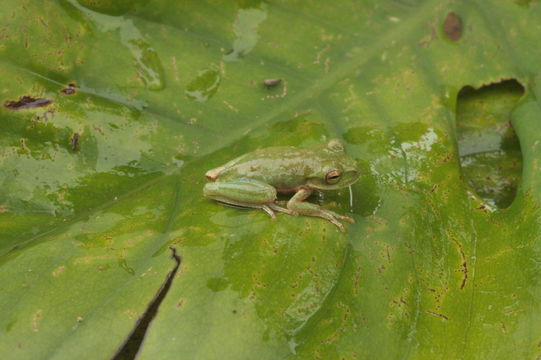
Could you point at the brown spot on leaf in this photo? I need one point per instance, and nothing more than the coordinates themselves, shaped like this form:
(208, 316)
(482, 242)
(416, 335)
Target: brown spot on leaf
(59, 270)
(69, 90)
(437, 314)
(269, 83)
(403, 301)
(180, 303)
(464, 265)
(75, 142)
(464, 270)
(452, 26)
(27, 102)
(36, 319)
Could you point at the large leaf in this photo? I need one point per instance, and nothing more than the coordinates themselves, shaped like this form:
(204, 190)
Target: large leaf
(99, 184)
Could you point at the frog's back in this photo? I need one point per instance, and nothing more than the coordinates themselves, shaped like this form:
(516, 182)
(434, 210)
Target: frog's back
(284, 167)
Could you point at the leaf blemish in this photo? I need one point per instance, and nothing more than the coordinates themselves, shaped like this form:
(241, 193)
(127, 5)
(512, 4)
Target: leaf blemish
(269, 83)
(59, 270)
(463, 265)
(27, 102)
(283, 92)
(437, 314)
(452, 27)
(69, 90)
(75, 142)
(36, 319)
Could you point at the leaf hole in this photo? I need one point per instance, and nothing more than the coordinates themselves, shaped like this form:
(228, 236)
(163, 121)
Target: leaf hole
(488, 147)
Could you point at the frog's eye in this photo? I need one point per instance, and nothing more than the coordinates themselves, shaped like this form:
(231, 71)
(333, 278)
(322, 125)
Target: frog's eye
(333, 176)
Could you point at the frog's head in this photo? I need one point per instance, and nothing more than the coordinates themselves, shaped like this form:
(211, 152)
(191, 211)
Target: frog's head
(338, 169)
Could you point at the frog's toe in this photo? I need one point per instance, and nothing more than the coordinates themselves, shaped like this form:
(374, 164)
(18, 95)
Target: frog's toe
(344, 218)
(341, 227)
(269, 211)
(348, 219)
(338, 224)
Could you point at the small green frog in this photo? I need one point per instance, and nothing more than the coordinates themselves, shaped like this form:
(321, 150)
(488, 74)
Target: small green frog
(254, 179)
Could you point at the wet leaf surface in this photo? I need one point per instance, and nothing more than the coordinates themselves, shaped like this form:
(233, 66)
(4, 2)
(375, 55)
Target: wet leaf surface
(165, 90)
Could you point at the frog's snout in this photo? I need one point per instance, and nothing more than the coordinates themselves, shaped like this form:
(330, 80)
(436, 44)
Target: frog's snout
(355, 172)
(213, 174)
(354, 175)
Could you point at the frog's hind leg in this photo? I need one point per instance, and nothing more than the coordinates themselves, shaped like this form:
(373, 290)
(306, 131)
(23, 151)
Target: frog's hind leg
(268, 208)
(265, 208)
(298, 204)
(244, 193)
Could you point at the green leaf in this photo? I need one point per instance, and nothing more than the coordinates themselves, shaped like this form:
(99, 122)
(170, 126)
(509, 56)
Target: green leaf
(99, 184)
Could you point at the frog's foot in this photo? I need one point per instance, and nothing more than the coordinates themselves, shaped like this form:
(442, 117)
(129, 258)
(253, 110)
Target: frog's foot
(275, 207)
(333, 218)
(297, 204)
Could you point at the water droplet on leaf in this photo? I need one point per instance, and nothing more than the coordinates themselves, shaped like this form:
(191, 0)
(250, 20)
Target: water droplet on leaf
(204, 86)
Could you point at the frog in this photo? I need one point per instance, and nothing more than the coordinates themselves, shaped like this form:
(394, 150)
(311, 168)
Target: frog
(255, 179)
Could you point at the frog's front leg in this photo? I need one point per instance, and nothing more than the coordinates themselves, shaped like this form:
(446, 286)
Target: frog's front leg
(297, 204)
(247, 193)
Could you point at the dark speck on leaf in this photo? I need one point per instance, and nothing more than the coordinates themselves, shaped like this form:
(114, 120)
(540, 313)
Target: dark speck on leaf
(452, 27)
(234, 311)
(269, 83)
(27, 102)
(75, 142)
(69, 90)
